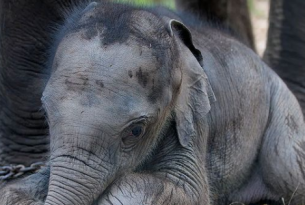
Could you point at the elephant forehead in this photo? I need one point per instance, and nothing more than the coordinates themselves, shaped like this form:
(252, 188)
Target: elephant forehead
(86, 61)
(81, 66)
(77, 53)
(117, 81)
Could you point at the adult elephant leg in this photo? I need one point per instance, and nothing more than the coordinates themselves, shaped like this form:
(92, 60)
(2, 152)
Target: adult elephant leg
(233, 14)
(25, 37)
(285, 51)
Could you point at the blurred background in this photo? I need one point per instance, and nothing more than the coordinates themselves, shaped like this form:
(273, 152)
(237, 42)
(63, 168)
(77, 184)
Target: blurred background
(259, 10)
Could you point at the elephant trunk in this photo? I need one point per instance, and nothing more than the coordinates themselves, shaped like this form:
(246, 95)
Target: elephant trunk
(71, 183)
(81, 169)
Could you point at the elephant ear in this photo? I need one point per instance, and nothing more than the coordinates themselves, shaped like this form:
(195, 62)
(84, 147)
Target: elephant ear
(196, 94)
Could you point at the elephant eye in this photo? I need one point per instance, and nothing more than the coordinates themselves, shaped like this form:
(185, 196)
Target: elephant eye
(133, 134)
(137, 131)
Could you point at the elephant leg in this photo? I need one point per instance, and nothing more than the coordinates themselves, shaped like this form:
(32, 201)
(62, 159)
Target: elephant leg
(30, 190)
(26, 34)
(138, 189)
(286, 42)
(173, 175)
(282, 157)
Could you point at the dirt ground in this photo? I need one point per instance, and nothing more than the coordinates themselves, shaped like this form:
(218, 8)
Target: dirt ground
(259, 16)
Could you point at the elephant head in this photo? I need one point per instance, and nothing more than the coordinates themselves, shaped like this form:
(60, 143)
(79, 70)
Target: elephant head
(118, 77)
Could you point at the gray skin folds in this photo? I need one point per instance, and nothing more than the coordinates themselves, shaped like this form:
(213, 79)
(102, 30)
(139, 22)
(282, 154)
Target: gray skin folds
(26, 34)
(147, 107)
(285, 47)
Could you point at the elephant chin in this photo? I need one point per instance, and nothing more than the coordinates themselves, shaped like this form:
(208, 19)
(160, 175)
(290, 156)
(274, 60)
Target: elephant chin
(74, 182)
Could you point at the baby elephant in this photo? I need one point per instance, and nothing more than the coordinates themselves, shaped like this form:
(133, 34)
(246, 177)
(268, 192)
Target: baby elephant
(147, 107)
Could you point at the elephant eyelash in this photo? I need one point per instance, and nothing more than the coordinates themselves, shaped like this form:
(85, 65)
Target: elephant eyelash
(142, 119)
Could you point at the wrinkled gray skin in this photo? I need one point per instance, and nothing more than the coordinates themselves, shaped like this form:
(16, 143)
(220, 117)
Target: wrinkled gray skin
(26, 32)
(285, 47)
(219, 126)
